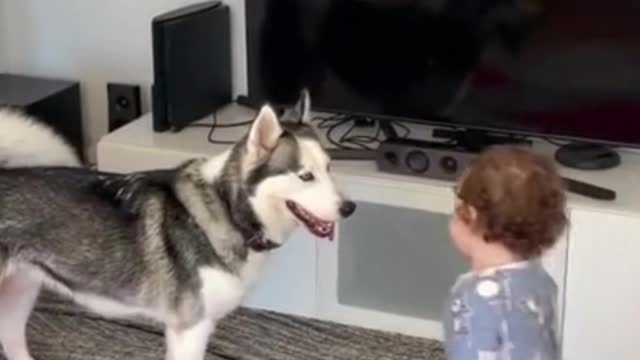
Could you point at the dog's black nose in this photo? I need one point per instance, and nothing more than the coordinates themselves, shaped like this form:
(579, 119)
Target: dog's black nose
(347, 208)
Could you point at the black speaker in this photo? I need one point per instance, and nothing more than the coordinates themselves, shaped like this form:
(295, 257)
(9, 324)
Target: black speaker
(423, 158)
(124, 104)
(191, 64)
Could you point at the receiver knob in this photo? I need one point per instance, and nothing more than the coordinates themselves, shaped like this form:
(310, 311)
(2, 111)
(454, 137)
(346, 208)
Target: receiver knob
(449, 164)
(391, 157)
(417, 161)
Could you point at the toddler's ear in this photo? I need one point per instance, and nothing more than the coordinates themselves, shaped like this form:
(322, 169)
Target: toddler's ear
(473, 214)
(466, 212)
(473, 220)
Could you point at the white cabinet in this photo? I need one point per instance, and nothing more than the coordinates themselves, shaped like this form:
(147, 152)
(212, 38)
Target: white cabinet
(602, 316)
(392, 264)
(288, 283)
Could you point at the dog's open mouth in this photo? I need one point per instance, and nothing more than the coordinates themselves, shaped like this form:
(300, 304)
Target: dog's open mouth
(318, 227)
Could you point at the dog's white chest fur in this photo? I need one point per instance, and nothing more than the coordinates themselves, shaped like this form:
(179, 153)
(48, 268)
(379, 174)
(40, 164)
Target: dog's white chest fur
(222, 291)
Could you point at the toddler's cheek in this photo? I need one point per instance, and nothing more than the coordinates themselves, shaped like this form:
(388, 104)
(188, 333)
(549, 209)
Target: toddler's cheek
(459, 232)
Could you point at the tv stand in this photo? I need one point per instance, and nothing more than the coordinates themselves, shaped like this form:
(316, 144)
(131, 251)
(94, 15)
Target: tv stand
(587, 156)
(477, 140)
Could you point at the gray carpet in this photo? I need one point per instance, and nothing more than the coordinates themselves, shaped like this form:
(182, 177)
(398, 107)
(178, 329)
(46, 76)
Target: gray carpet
(59, 330)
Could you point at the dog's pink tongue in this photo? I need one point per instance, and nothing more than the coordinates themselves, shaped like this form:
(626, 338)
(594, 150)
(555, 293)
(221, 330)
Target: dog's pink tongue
(325, 230)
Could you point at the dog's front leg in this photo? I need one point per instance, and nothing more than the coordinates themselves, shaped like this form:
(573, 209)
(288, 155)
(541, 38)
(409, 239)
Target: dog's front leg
(190, 343)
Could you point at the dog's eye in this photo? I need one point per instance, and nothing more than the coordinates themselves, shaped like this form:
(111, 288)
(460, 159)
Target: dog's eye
(306, 176)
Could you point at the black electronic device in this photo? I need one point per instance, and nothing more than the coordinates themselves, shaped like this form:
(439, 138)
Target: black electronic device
(124, 104)
(191, 64)
(589, 190)
(442, 162)
(351, 154)
(587, 156)
(244, 100)
(506, 67)
(424, 159)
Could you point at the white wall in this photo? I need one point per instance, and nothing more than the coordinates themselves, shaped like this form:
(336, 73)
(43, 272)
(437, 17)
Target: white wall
(96, 42)
(3, 50)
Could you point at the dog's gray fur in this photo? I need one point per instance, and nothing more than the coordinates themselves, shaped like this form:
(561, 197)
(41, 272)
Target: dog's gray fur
(137, 244)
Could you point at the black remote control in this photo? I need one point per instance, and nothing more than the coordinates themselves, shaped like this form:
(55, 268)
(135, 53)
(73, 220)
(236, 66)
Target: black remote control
(589, 190)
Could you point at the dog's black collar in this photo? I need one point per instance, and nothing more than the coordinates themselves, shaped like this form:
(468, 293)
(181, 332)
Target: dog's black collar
(260, 243)
(248, 224)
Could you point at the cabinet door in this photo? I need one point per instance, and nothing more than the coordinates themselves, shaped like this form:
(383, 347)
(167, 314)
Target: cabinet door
(602, 315)
(392, 265)
(288, 281)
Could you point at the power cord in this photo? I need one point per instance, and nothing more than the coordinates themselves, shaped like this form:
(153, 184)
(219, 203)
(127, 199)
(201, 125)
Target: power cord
(350, 140)
(550, 141)
(214, 125)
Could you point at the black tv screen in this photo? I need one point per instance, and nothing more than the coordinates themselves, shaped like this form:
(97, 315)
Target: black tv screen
(561, 68)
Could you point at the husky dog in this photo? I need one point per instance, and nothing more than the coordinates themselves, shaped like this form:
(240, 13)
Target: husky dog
(24, 141)
(180, 246)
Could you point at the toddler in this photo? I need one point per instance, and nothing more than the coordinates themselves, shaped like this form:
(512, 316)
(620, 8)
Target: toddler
(510, 209)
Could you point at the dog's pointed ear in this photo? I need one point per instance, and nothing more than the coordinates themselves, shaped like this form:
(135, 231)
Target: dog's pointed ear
(264, 134)
(300, 113)
(303, 107)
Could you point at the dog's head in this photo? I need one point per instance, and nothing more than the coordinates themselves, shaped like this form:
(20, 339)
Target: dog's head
(287, 174)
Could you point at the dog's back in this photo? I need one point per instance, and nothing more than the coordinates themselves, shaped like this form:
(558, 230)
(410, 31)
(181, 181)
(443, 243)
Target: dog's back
(63, 200)
(48, 220)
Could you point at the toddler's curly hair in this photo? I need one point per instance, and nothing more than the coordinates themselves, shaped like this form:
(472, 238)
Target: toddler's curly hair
(519, 198)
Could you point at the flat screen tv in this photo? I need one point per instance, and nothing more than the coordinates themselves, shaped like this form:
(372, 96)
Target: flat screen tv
(567, 69)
